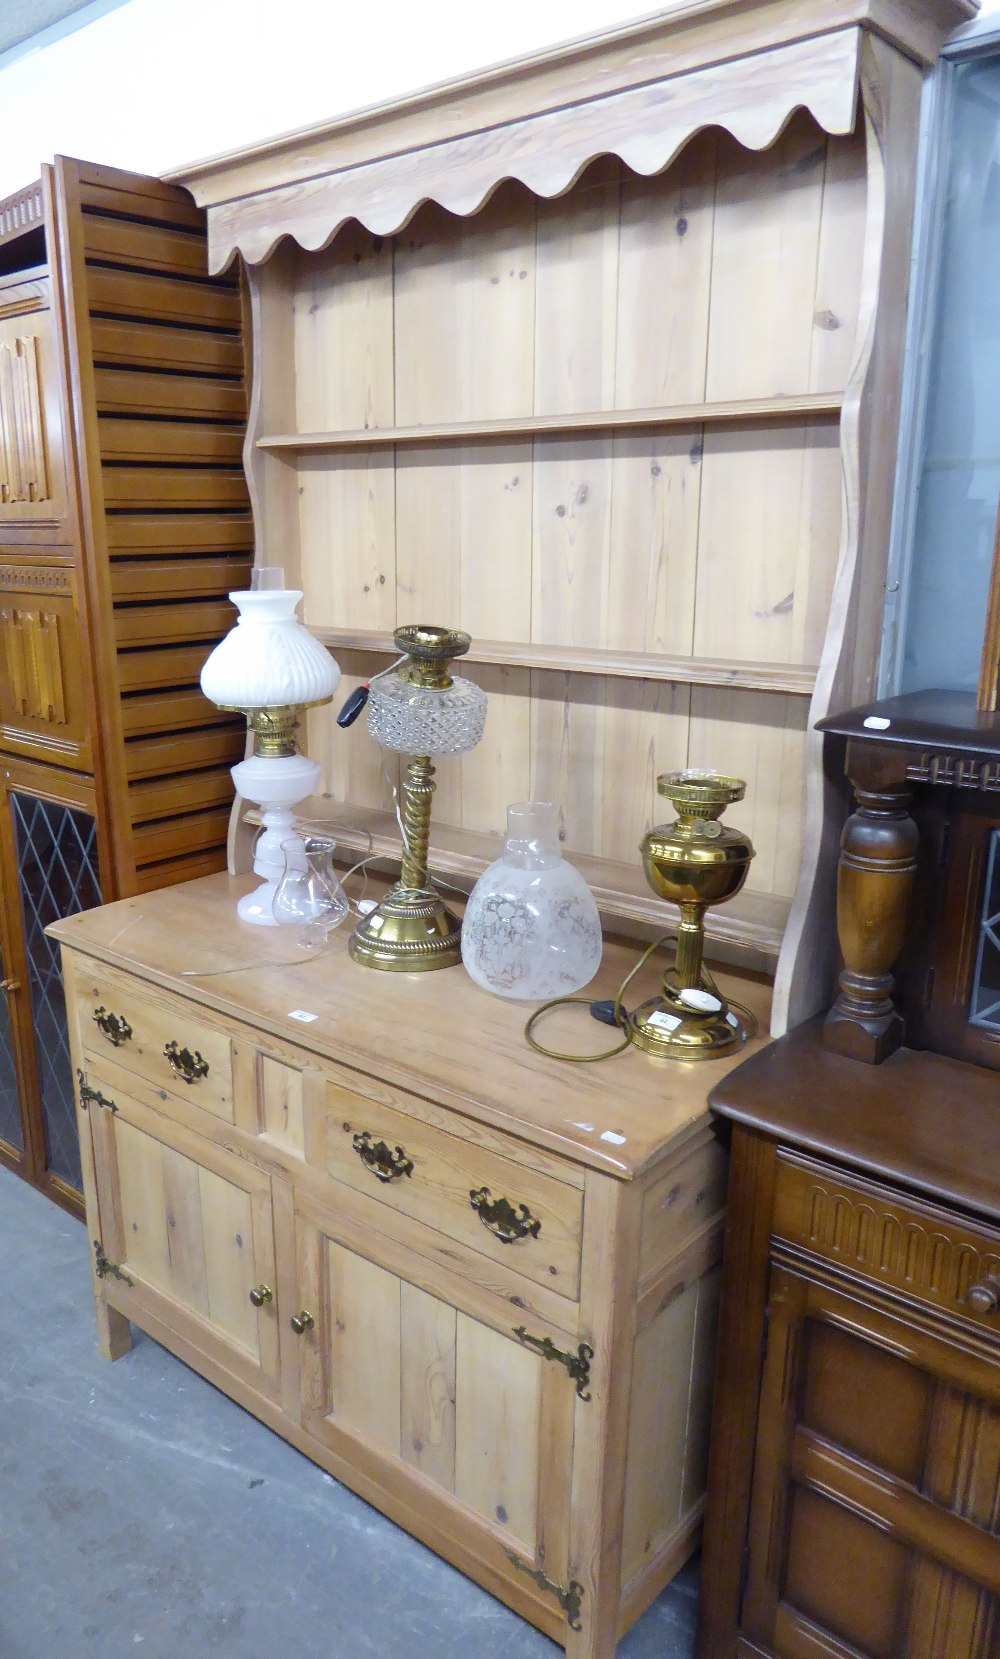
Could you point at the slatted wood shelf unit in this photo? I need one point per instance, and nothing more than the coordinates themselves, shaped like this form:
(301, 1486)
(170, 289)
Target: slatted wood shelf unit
(161, 420)
(599, 359)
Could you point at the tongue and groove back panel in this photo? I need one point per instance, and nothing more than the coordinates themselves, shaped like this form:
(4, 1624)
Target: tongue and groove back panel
(159, 411)
(598, 357)
(696, 553)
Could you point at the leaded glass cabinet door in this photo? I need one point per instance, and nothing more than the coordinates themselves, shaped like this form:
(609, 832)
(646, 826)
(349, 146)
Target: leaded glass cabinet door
(56, 869)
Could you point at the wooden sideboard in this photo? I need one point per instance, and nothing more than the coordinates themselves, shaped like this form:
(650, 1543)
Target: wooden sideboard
(476, 1285)
(854, 1491)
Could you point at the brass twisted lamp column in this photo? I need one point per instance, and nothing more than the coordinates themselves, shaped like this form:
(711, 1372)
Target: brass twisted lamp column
(422, 711)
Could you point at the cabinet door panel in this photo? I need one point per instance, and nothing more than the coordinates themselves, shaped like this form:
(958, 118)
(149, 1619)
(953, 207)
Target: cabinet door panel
(190, 1226)
(875, 1516)
(400, 1381)
(497, 1399)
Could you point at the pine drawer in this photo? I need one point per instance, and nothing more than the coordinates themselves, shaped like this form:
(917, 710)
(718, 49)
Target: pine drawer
(499, 1207)
(163, 1042)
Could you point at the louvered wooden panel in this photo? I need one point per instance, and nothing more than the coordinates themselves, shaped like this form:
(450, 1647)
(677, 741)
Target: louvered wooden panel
(150, 757)
(165, 445)
(171, 441)
(188, 397)
(176, 836)
(163, 666)
(170, 534)
(146, 346)
(106, 190)
(169, 710)
(144, 247)
(183, 488)
(147, 579)
(161, 299)
(148, 877)
(173, 624)
(167, 797)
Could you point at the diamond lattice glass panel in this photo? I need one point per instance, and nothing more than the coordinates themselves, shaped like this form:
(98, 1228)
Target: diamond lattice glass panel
(10, 1113)
(984, 1008)
(57, 875)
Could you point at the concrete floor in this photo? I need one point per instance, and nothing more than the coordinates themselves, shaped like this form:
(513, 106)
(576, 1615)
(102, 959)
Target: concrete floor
(142, 1513)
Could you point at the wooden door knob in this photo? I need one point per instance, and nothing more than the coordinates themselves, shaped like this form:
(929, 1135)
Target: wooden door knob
(985, 1297)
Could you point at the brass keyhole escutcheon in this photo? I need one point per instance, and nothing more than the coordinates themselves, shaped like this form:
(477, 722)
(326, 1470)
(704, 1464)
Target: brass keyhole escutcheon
(302, 1322)
(261, 1294)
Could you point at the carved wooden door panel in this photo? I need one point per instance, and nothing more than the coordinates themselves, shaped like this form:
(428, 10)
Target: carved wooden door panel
(875, 1520)
(32, 469)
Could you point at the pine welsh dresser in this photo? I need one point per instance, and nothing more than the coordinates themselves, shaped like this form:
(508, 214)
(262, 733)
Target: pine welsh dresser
(476, 1285)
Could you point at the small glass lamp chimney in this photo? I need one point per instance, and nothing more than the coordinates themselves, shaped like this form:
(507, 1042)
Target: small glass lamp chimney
(269, 666)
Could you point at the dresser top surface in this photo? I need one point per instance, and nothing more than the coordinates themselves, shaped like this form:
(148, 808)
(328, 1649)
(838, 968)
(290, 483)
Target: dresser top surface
(437, 1033)
(924, 1119)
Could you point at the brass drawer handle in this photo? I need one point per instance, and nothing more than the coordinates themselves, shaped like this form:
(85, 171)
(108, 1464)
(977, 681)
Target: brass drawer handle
(500, 1218)
(985, 1297)
(385, 1164)
(185, 1065)
(261, 1294)
(113, 1026)
(302, 1322)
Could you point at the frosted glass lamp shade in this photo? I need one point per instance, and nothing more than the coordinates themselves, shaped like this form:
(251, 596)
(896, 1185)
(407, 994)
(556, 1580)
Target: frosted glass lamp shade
(270, 659)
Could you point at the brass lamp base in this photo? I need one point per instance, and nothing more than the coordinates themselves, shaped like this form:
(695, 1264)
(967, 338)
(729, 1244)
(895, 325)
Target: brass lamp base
(685, 1025)
(411, 931)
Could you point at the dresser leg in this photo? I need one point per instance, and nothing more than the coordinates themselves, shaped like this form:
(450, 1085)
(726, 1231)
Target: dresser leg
(114, 1333)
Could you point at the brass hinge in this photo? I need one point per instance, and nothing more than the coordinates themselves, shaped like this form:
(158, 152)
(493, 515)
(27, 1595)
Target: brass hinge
(578, 1364)
(568, 1597)
(92, 1097)
(107, 1269)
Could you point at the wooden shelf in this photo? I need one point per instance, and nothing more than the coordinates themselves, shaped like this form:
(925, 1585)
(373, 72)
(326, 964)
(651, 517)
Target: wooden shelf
(752, 922)
(791, 679)
(824, 405)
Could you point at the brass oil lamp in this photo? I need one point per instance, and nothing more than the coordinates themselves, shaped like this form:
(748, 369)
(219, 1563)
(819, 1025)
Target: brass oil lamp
(695, 862)
(421, 710)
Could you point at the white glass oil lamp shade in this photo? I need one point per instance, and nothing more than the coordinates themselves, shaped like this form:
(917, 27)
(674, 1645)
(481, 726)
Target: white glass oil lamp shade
(270, 666)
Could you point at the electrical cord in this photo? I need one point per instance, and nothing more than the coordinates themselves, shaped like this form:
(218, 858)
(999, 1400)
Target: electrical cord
(619, 1015)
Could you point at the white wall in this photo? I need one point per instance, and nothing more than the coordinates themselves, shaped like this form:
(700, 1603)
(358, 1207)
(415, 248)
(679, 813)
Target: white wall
(154, 84)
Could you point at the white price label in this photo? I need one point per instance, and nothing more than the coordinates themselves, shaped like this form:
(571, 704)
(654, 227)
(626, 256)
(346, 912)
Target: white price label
(300, 1014)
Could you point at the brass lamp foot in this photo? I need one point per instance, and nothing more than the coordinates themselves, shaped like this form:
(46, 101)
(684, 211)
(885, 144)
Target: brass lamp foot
(411, 931)
(685, 1025)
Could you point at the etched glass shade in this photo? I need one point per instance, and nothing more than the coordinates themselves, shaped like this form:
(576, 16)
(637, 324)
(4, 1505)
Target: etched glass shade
(531, 928)
(270, 659)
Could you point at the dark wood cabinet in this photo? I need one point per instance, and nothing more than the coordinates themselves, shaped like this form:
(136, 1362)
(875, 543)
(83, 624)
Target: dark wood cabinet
(124, 523)
(854, 1489)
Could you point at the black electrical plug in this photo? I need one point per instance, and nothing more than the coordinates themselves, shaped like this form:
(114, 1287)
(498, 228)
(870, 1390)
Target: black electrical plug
(352, 708)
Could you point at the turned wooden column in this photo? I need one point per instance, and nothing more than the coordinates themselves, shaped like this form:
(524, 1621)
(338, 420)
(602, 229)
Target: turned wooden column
(878, 863)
